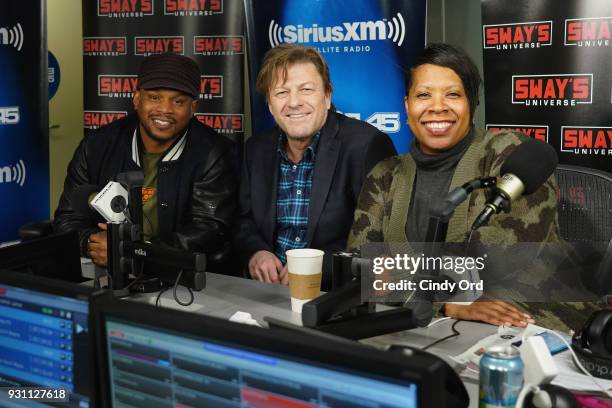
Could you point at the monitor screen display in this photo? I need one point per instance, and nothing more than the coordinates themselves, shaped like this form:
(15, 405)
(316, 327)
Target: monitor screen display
(152, 367)
(44, 343)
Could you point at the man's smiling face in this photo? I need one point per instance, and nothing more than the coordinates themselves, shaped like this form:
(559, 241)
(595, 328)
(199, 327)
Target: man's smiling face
(299, 102)
(164, 115)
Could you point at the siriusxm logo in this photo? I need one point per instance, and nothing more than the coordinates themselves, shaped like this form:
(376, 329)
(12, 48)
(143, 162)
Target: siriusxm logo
(13, 174)
(379, 30)
(12, 36)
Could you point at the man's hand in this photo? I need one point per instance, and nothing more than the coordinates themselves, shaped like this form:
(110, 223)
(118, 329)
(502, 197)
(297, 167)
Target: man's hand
(489, 311)
(96, 247)
(264, 266)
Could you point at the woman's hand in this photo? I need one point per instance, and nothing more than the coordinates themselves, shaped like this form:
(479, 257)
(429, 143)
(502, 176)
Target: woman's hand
(489, 311)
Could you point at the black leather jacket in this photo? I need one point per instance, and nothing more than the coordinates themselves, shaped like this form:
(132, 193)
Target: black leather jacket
(196, 187)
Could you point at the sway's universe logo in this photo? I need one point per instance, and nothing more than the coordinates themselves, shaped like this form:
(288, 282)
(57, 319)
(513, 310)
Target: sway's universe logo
(157, 45)
(223, 123)
(12, 36)
(588, 32)
(15, 173)
(552, 90)
(533, 34)
(330, 36)
(211, 86)
(539, 132)
(104, 46)
(9, 115)
(117, 86)
(125, 8)
(587, 140)
(193, 7)
(96, 119)
(218, 45)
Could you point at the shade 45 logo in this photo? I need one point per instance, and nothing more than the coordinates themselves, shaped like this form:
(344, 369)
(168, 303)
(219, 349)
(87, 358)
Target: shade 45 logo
(9, 115)
(104, 46)
(587, 140)
(539, 132)
(588, 32)
(158, 45)
(211, 86)
(226, 123)
(218, 45)
(193, 7)
(125, 8)
(534, 34)
(117, 86)
(552, 90)
(96, 119)
(388, 122)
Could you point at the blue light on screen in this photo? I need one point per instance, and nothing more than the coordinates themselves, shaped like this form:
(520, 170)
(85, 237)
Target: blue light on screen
(233, 374)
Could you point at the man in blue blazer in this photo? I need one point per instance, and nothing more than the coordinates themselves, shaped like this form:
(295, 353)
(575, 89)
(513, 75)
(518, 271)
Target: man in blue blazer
(301, 180)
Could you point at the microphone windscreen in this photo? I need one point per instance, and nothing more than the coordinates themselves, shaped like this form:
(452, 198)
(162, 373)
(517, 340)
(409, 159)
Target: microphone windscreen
(533, 161)
(80, 199)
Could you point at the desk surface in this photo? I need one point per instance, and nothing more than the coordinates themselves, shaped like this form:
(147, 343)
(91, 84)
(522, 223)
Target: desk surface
(225, 295)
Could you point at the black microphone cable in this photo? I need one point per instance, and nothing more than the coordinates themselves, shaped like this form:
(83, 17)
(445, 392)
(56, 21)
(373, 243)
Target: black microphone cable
(450, 336)
(176, 284)
(161, 292)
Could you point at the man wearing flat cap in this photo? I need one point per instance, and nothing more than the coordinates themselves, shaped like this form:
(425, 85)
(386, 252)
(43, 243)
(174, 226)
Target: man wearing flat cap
(189, 187)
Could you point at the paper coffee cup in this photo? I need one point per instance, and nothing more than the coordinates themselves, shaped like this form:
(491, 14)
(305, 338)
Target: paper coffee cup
(305, 268)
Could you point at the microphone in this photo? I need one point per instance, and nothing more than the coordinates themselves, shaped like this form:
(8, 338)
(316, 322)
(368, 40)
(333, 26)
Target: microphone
(442, 211)
(524, 171)
(110, 202)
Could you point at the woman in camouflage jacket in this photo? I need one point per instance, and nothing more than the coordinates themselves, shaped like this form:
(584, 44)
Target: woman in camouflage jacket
(442, 95)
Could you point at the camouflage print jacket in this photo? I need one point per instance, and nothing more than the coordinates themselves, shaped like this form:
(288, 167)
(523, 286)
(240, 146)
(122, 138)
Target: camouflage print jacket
(382, 210)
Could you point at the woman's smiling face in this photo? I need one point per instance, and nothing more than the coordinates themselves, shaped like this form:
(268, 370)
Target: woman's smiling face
(438, 108)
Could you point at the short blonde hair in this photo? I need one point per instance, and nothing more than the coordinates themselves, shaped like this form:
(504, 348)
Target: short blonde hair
(279, 58)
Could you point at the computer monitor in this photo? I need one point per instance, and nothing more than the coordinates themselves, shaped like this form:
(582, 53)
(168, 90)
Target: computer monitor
(46, 339)
(155, 357)
(56, 256)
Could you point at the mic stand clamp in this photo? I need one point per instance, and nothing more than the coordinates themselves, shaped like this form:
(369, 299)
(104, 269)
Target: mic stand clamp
(499, 202)
(193, 265)
(127, 253)
(342, 313)
(119, 267)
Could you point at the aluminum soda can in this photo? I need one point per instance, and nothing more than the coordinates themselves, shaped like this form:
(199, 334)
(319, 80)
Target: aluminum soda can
(501, 377)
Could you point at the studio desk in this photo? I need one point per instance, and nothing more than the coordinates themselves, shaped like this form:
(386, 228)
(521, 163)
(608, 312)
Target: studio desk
(225, 295)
